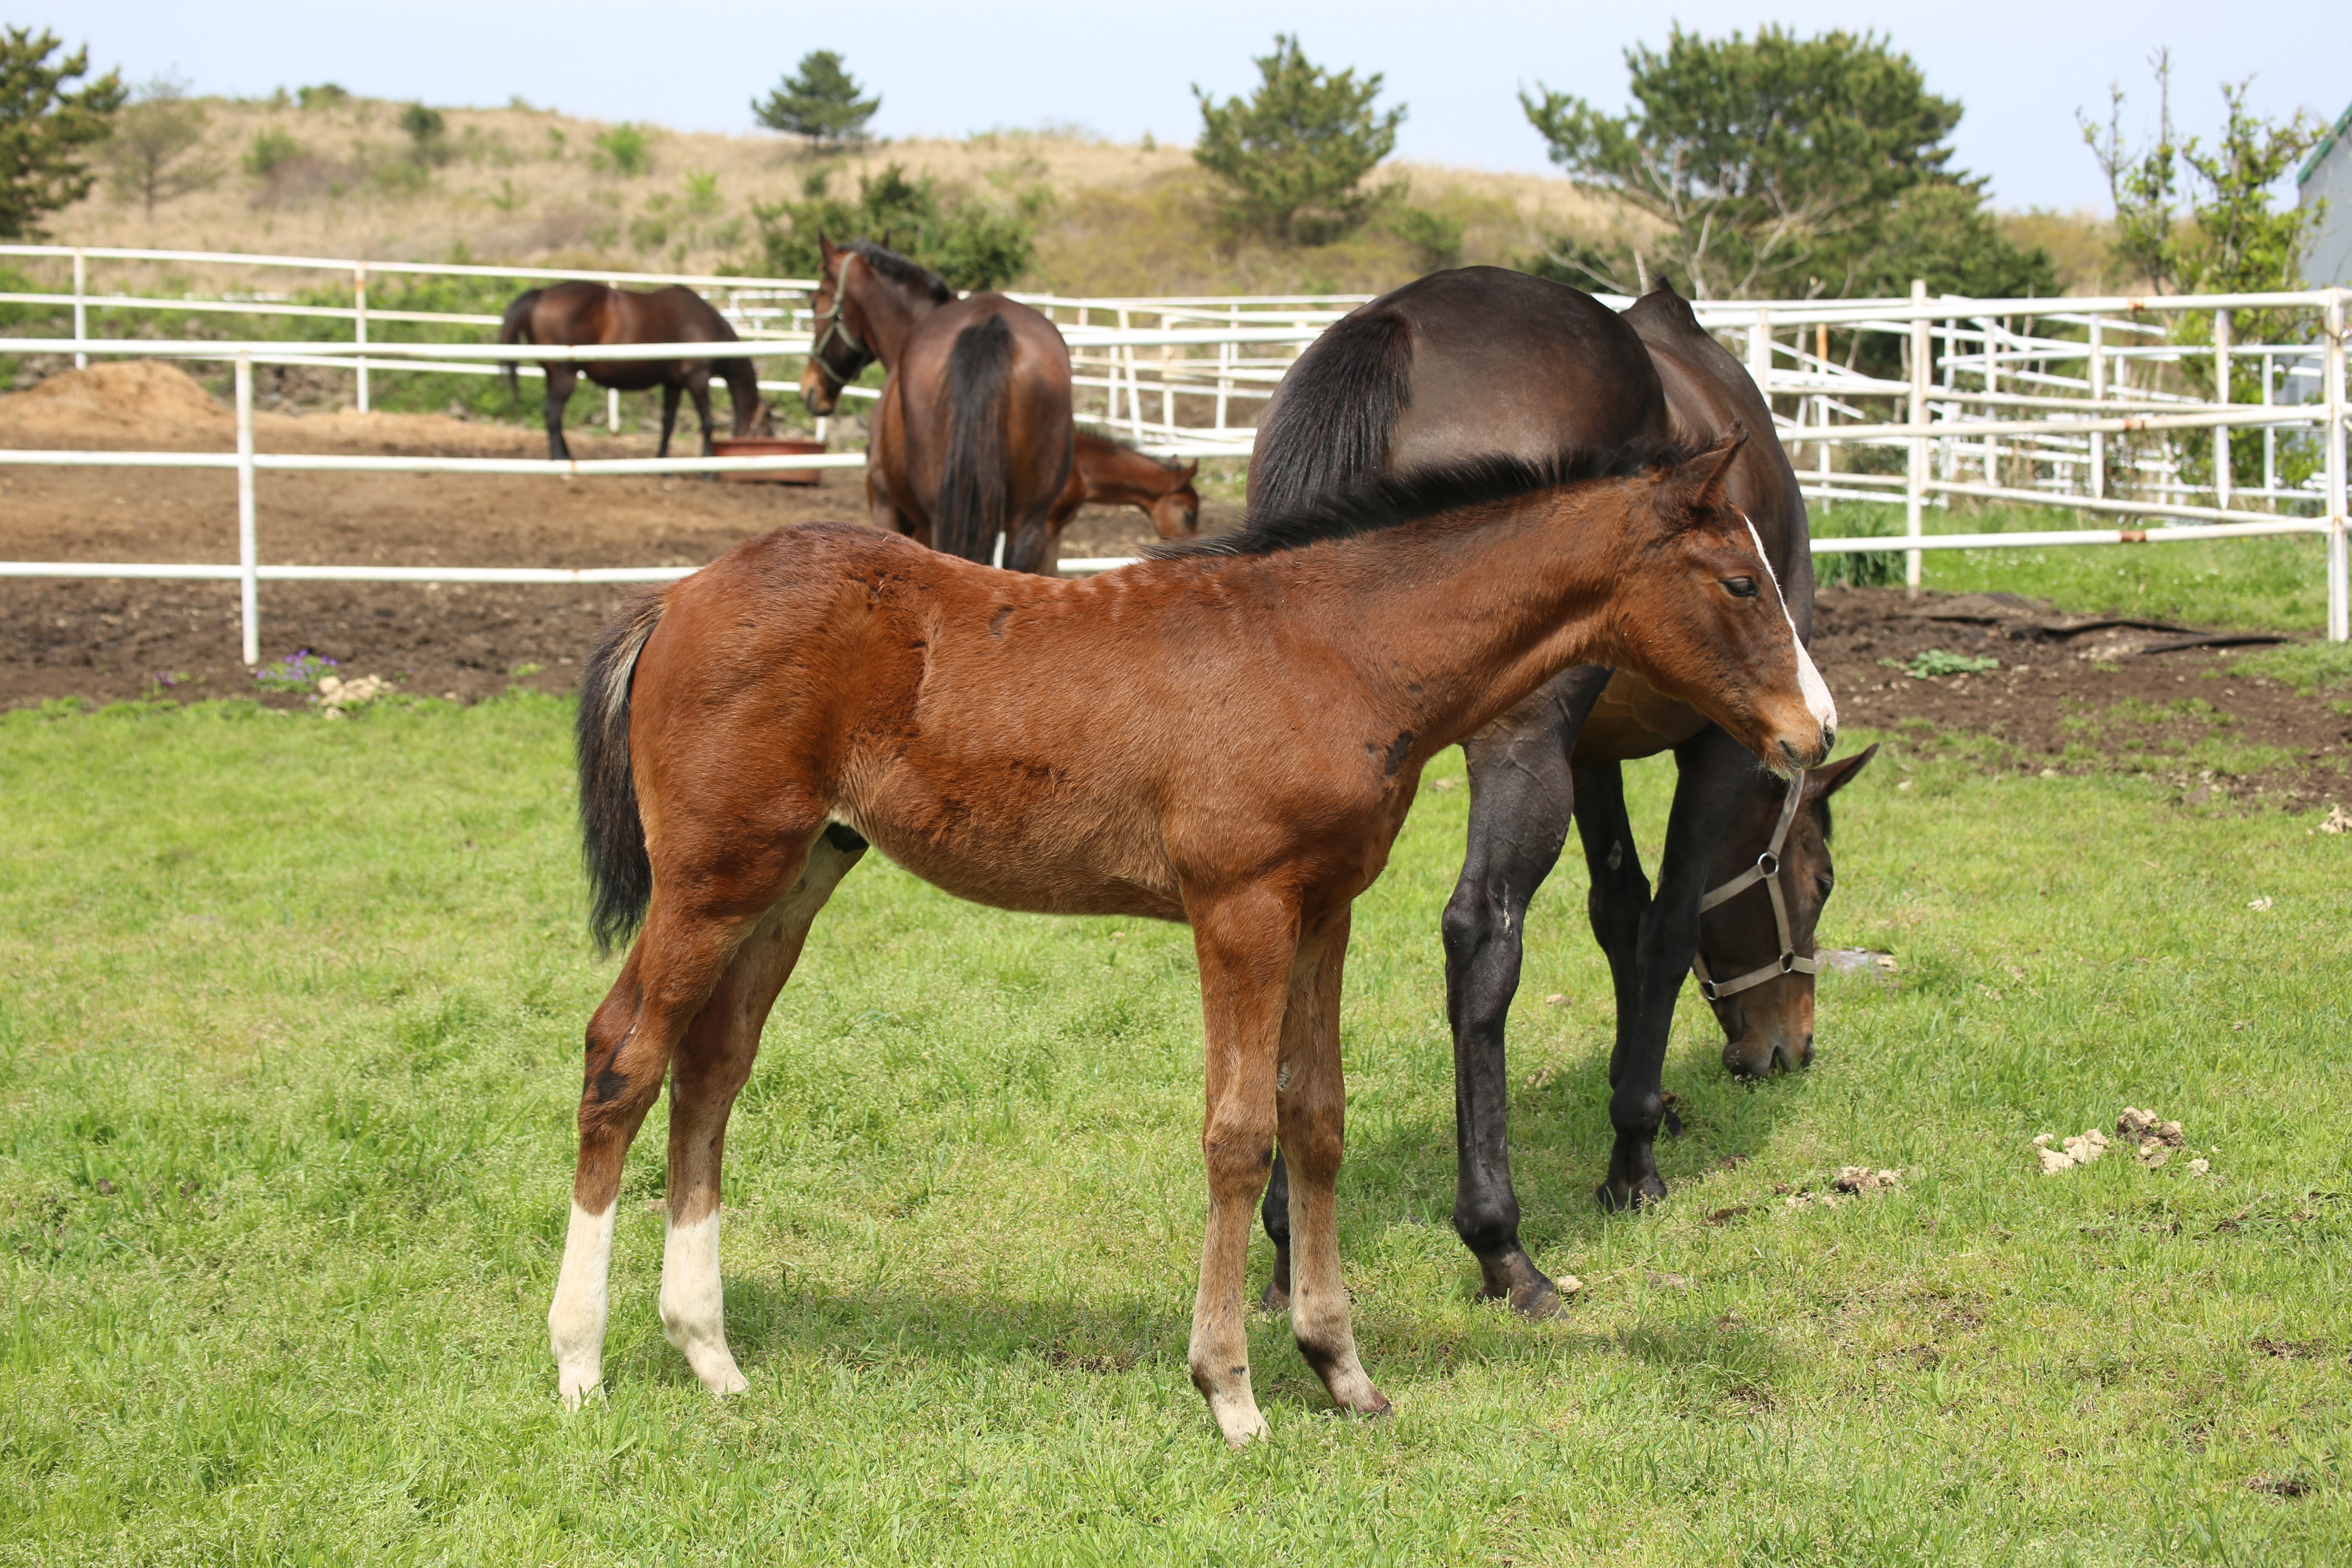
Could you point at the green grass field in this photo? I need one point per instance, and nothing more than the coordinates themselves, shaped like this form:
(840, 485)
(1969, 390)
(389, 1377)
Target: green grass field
(289, 1016)
(2276, 584)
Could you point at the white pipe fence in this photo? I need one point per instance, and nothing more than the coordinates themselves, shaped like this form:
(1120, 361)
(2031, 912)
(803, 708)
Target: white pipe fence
(2096, 412)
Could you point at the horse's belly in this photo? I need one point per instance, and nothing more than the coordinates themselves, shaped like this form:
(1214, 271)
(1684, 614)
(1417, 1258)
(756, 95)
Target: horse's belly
(1042, 862)
(1634, 719)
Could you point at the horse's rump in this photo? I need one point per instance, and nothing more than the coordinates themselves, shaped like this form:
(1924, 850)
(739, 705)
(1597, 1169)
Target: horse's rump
(1330, 418)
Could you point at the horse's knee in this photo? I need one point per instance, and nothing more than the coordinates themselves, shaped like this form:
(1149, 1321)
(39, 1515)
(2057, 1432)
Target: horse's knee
(1238, 1150)
(1470, 921)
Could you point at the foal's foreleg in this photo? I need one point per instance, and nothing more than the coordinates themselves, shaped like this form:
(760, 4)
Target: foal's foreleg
(1311, 1099)
(1246, 945)
(713, 1063)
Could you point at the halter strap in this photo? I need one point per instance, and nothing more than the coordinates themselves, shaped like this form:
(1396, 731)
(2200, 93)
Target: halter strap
(1766, 870)
(835, 320)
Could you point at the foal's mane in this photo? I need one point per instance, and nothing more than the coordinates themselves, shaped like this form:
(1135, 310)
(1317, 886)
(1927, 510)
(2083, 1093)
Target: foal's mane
(1380, 501)
(899, 269)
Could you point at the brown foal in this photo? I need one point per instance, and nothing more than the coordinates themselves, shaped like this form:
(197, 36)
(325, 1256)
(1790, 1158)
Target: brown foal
(1245, 740)
(1111, 473)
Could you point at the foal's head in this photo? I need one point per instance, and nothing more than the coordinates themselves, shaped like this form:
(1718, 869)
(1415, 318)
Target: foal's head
(1699, 601)
(1770, 1023)
(1176, 513)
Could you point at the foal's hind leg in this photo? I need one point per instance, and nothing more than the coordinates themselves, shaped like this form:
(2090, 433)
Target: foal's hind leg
(561, 380)
(1311, 1098)
(713, 1062)
(678, 960)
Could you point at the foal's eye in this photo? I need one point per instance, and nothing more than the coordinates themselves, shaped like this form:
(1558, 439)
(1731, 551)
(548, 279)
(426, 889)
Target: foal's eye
(1740, 587)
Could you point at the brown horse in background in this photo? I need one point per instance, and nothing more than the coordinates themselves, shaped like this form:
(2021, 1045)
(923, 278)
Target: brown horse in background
(1111, 473)
(971, 442)
(575, 314)
(1230, 735)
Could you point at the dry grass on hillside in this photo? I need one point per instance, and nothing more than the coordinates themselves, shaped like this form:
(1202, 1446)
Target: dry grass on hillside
(534, 187)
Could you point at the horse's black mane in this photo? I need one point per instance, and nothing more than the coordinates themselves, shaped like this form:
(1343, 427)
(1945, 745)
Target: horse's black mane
(1380, 501)
(899, 269)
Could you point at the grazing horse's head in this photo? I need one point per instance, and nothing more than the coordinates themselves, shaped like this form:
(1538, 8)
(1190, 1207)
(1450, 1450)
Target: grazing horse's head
(1176, 511)
(840, 346)
(1699, 609)
(1769, 1021)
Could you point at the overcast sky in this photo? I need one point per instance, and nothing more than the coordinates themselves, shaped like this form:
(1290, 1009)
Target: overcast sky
(2021, 70)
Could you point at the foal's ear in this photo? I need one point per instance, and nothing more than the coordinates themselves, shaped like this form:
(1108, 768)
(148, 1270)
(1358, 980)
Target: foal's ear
(1189, 469)
(1715, 467)
(825, 247)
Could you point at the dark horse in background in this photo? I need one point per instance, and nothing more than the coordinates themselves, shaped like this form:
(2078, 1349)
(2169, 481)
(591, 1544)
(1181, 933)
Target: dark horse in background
(576, 315)
(970, 444)
(1483, 361)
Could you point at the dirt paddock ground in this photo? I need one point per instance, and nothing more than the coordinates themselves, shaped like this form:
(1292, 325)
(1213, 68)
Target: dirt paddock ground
(2071, 691)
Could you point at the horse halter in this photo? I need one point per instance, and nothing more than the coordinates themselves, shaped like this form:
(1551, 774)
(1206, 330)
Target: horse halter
(1766, 870)
(837, 325)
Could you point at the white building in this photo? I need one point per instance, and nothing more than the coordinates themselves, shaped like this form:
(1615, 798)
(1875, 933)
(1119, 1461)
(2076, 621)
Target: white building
(2327, 176)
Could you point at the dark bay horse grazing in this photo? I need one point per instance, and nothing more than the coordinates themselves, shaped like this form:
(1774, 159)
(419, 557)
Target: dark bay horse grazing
(969, 446)
(1111, 473)
(1480, 361)
(576, 315)
(1241, 743)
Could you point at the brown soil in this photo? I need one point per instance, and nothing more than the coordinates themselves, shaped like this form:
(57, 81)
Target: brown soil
(2073, 692)
(2070, 692)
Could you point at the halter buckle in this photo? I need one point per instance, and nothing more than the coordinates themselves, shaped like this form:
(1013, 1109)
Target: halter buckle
(1769, 863)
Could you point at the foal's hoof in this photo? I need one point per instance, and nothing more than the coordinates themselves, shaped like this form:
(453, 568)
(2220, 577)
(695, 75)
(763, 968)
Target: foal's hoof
(1514, 1277)
(1617, 1197)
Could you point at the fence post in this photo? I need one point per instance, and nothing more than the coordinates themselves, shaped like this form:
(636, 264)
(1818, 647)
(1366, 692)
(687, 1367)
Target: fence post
(1915, 490)
(2098, 394)
(81, 309)
(248, 595)
(1759, 355)
(2221, 394)
(359, 328)
(2339, 574)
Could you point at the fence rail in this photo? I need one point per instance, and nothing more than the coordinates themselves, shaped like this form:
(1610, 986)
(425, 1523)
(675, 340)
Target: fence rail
(2117, 406)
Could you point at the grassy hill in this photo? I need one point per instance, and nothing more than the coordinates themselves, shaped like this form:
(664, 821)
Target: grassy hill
(534, 187)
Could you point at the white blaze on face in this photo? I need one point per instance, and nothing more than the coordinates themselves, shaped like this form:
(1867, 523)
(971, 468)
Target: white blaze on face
(1818, 700)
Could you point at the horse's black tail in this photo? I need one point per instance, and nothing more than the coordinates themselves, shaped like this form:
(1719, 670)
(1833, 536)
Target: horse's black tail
(1330, 421)
(612, 832)
(516, 328)
(972, 482)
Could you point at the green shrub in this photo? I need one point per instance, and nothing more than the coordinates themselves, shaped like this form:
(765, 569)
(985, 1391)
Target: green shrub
(625, 148)
(271, 151)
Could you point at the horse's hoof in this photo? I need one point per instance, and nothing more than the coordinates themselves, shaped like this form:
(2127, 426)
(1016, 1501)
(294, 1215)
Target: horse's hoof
(1617, 1198)
(1515, 1278)
(1276, 1298)
(1672, 1126)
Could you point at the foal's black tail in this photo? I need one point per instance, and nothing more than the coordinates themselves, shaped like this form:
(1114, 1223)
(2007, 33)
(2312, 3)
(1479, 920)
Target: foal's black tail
(972, 484)
(516, 328)
(1329, 425)
(612, 832)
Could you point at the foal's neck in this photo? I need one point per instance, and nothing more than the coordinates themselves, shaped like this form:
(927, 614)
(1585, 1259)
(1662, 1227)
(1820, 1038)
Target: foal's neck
(1460, 621)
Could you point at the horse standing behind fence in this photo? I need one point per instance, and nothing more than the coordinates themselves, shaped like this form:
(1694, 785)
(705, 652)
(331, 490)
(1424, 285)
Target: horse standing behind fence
(971, 441)
(1482, 359)
(1229, 736)
(576, 315)
(1111, 473)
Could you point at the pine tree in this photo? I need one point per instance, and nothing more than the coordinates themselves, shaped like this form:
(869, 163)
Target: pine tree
(42, 127)
(1292, 155)
(819, 101)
